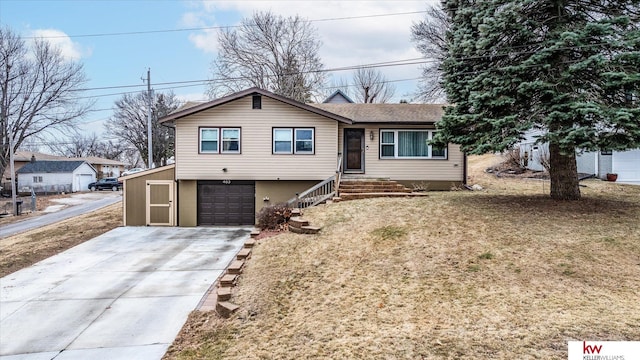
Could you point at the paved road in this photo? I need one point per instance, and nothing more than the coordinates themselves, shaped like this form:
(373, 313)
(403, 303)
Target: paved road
(122, 295)
(92, 202)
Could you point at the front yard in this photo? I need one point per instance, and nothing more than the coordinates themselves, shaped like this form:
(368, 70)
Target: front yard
(501, 273)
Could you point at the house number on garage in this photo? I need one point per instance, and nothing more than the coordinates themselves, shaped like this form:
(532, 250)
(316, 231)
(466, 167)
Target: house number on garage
(226, 182)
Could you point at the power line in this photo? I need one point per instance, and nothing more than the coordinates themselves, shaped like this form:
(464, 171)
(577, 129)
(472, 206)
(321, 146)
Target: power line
(146, 32)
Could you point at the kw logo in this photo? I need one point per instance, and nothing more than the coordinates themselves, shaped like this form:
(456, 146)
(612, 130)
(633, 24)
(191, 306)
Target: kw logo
(590, 349)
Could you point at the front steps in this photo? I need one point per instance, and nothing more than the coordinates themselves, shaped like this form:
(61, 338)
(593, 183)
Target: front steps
(352, 189)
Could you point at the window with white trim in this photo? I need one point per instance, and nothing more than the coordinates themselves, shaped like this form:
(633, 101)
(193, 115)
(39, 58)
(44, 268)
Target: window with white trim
(409, 144)
(220, 140)
(293, 141)
(230, 141)
(37, 179)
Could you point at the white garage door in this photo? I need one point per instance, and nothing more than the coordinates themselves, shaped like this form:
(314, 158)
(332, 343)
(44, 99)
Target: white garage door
(627, 165)
(83, 182)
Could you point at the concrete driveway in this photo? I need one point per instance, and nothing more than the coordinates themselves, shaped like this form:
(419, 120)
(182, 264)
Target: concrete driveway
(123, 295)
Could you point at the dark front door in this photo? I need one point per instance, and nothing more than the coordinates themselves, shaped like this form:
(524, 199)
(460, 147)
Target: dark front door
(353, 143)
(226, 202)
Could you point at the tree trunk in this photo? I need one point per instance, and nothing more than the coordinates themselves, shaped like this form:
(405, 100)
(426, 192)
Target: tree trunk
(564, 174)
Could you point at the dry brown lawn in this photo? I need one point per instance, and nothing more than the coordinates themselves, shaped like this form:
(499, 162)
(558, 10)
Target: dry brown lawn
(503, 273)
(25, 249)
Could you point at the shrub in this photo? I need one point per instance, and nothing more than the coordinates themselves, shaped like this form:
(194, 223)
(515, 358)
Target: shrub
(274, 217)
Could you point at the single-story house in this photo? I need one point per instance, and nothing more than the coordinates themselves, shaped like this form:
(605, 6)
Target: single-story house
(104, 167)
(47, 176)
(598, 163)
(253, 148)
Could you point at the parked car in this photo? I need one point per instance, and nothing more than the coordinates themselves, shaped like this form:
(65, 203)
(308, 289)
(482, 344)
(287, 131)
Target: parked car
(105, 184)
(132, 171)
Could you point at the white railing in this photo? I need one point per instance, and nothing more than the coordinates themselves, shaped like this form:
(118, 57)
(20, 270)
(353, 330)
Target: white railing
(320, 192)
(338, 175)
(315, 195)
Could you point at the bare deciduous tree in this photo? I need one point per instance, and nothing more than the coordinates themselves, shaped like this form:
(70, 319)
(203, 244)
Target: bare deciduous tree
(81, 145)
(429, 35)
(38, 91)
(270, 52)
(129, 123)
(371, 86)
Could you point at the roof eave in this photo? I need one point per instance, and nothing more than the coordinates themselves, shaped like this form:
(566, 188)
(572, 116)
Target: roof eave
(250, 91)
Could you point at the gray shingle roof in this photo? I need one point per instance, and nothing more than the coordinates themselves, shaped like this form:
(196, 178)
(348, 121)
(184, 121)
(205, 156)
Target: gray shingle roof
(387, 113)
(50, 166)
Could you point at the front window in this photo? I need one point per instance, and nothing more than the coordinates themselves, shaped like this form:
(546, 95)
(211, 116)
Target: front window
(293, 140)
(220, 140)
(208, 140)
(304, 141)
(231, 140)
(409, 144)
(282, 141)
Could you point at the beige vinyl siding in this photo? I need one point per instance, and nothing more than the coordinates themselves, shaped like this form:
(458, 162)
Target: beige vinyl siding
(450, 169)
(256, 161)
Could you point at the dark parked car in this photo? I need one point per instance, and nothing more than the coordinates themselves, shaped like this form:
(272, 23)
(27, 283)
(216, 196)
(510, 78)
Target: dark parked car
(106, 183)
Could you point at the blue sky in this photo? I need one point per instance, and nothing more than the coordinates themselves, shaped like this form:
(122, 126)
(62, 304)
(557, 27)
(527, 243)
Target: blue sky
(112, 60)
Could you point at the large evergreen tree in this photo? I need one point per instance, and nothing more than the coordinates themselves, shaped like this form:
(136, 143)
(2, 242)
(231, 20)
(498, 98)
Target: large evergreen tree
(569, 68)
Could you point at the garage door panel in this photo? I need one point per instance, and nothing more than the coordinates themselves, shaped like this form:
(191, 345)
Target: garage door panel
(226, 204)
(627, 165)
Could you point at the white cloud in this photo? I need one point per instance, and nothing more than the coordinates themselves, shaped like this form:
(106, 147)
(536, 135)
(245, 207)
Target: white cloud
(346, 41)
(70, 50)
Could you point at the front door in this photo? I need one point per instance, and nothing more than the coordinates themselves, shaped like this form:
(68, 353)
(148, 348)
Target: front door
(354, 145)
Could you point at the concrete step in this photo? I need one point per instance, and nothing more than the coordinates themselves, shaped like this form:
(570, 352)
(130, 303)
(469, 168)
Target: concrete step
(296, 212)
(255, 233)
(249, 243)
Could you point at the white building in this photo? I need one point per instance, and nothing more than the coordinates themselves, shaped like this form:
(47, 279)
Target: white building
(56, 176)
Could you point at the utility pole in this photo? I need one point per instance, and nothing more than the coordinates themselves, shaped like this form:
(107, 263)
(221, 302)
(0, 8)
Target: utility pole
(13, 174)
(149, 120)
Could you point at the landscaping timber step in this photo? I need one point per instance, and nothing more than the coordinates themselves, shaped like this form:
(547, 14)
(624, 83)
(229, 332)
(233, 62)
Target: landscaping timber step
(350, 196)
(255, 233)
(307, 229)
(223, 293)
(228, 280)
(249, 243)
(226, 309)
(244, 254)
(236, 267)
(298, 222)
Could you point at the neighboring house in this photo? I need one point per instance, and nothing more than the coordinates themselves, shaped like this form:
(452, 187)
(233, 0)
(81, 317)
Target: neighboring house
(338, 97)
(253, 148)
(47, 176)
(104, 167)
(22, 158)
(598, 163)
